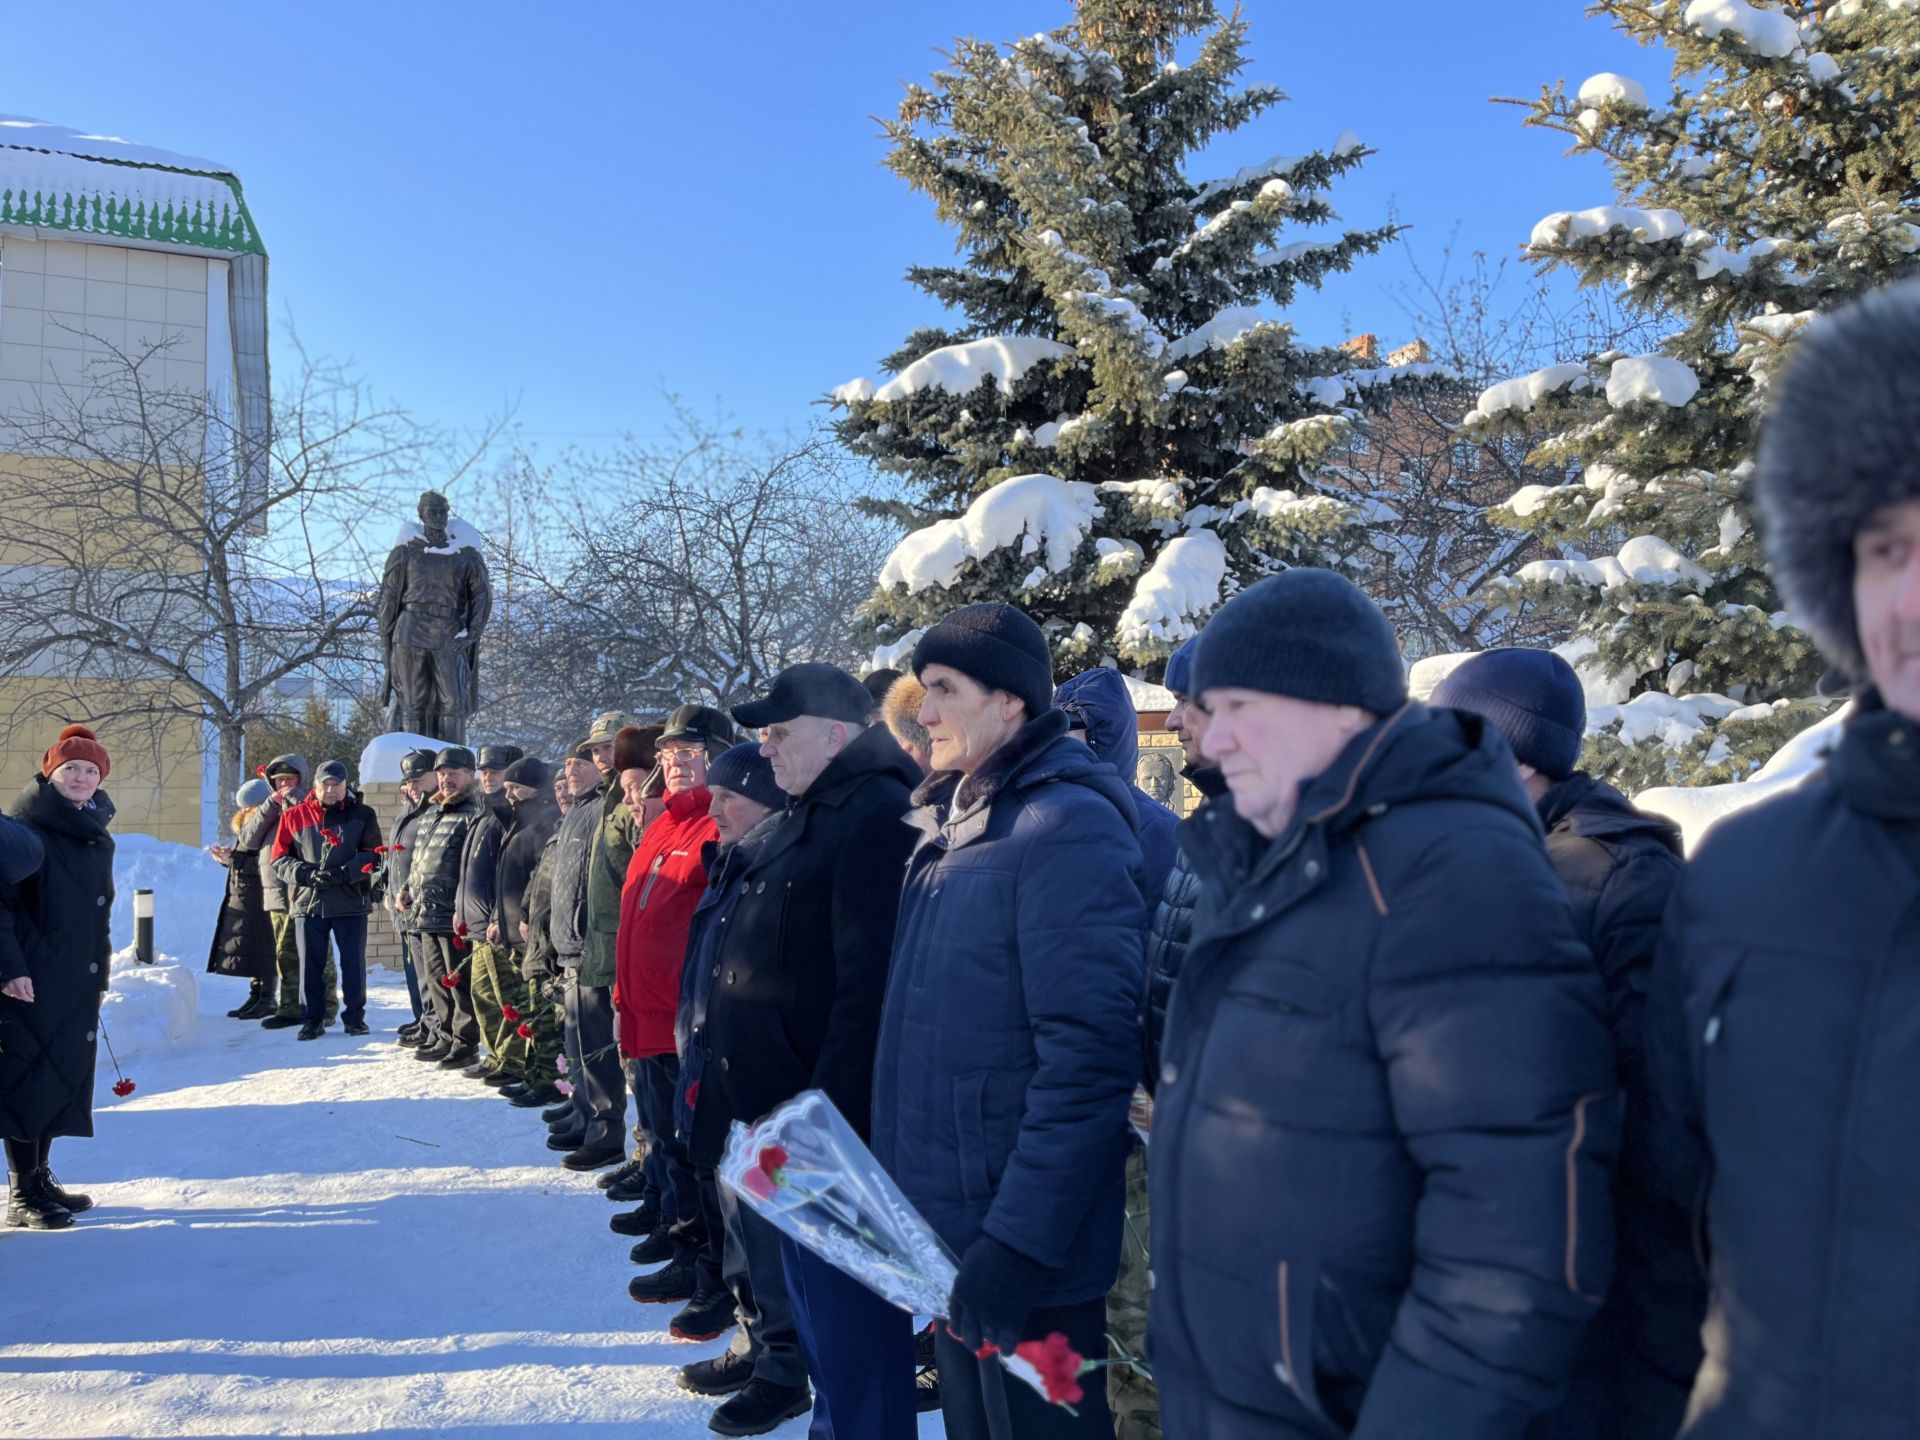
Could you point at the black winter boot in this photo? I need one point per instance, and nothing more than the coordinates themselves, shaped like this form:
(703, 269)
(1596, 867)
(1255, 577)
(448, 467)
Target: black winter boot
(259, 1007)
(672, 1284)
(759, 1407)
(705, 1316)
(30, 1206)
(656, 1247)
(640, 1222)
(722, 1375)
(72, 1201)
(247, 1008)
(277, 1021)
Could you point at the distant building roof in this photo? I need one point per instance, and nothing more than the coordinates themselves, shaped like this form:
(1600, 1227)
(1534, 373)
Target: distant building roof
(53, 178)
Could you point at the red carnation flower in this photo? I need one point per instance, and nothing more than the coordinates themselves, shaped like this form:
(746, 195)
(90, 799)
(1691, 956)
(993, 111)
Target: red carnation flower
(367, 869)
(332, 837)
(460, 928)
(451, 980)
(261, 769)
(523, 1030)
(507, 1012)
(1058, 1366)
(693, 1094)
(768, 1173)
(123, 1087)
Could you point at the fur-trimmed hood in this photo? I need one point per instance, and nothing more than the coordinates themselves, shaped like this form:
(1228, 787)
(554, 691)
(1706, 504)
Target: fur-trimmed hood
(1841, 440)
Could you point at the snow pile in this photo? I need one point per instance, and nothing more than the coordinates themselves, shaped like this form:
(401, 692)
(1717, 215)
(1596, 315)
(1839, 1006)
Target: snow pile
(1597, 687)
(189, 886)
(1697, 808)
(1762, 29)
(960, 369)
(1566, 226)
(1645, 559)
(1673, 720)
(898, 655)
(460, 536)
(1037, 512)
(147, 1008)
(1424, 676)
(1607, 88)
(1219, 332)
(851, 391)
(380, 761)
(1521, 392)
(1651, 377)
(1179, 590)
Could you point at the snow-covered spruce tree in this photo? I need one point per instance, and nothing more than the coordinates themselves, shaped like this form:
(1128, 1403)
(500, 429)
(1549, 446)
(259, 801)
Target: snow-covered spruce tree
(1777, 181)
(1119, 431)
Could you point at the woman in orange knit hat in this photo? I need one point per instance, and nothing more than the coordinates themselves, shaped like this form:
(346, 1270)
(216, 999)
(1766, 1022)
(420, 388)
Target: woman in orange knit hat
(53, 970)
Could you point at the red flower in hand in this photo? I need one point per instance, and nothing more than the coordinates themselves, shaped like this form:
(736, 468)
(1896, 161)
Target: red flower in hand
(523, 1030)
(123, 1087)
(768, 1173)
(693, 1094)
(460, 929)
(450, 980)
(332, 837)
(507, 1012)
(1057, 1364)
(388, 849)
(367, 869)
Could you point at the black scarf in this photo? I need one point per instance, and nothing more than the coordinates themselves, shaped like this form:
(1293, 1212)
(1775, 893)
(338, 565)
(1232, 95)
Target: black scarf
(1876, 766)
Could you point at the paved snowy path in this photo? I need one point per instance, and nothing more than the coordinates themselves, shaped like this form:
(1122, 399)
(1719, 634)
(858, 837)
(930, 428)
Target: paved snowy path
(328, 1239)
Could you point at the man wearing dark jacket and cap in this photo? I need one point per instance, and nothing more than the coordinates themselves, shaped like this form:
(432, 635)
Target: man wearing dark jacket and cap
(1387, 1098)
(1618, 866)
(1784, 1021)
(1009, 1047)
(493, 994)
(431, 901)
(1100, 711)
(325, 853)
(533, 816)
(796, 1002)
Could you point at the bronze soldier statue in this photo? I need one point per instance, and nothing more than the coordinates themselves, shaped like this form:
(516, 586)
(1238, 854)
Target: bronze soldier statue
(434, 601)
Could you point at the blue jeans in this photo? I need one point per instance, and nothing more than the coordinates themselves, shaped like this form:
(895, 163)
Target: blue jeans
(858, 1348)
(349, 934)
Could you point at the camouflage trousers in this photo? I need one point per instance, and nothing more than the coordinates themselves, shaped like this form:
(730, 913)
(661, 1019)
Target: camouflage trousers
(542, 1011)
(1130, 1392)
(497, 988)
(286, 960)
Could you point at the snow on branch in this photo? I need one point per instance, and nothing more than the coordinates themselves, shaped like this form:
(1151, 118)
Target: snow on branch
(1036, 512)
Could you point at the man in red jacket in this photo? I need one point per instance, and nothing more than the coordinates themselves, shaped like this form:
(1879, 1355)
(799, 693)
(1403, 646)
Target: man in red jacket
(665, 880)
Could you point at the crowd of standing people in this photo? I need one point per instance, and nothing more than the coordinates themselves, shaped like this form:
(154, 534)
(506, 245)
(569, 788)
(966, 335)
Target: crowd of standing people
(1414, 1085)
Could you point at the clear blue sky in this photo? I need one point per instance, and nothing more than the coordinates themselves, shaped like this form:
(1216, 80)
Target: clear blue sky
(583, 208)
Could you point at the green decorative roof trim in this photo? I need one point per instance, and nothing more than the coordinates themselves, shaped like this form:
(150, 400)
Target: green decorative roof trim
(52, 178)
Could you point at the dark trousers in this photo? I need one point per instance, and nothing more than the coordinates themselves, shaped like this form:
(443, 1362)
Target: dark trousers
(751, 1266)
(409, 944)
(963, 1404)
(454, 1004)
(859, 1352)
(349, 934)
(669, 1168)
(570, 1042)
(601, 1081)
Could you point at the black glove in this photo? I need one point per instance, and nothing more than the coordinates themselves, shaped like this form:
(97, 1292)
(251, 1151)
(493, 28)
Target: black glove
(328, 879)
(992, 1294)
(304, 873)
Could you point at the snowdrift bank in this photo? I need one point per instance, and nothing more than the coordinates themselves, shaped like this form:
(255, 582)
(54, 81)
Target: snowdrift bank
(1697, 809)
(188, 887)
(147, 1008)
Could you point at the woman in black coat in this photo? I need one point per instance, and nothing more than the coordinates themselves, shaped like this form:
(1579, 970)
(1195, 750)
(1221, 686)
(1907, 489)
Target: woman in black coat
(53, 970)
(243, 944)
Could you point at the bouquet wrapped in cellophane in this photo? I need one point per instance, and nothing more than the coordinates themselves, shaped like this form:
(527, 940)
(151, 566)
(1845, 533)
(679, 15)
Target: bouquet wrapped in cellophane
(804, 1171)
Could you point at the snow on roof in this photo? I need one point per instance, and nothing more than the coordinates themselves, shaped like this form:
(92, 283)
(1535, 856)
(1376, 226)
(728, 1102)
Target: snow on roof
(53, 178)
(1696, 809)
(1565, 226)
(1651, 377)
(1762, 29)
(1179, 590)
(961, 368)
(1037, 512)
(1607, 88)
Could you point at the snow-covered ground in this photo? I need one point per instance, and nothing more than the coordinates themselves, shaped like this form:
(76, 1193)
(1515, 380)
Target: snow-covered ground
(326, 1239)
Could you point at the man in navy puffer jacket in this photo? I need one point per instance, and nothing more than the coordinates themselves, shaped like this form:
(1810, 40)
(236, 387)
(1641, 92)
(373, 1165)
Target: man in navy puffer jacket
(1100, 709)
(1009, 1045)
(1387, 1099)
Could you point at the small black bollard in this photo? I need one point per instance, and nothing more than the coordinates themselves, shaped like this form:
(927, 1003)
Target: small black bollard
(143, 926)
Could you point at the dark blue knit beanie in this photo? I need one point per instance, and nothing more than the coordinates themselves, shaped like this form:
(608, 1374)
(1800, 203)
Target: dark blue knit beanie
(996, 645)
(1179, 677)
(745, 771)
(1532, 697)
(1310, 634)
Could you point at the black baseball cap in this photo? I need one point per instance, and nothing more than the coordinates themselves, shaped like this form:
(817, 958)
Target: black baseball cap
(812, 688)
(332, 770)
(454, 757)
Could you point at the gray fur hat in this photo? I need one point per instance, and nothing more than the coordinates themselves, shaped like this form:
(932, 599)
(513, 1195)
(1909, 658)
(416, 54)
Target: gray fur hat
(1841, 440)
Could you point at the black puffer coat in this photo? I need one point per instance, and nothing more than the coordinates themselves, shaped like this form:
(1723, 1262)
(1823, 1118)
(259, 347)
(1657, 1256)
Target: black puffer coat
(1784, 1052)
(1386, 1109)
(406, 835)
(54, 929)
(433, 880)
(20, 850)
(243, 935)
(1619, 866)
(1167, 934)
(530, 825)
(474, 902)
